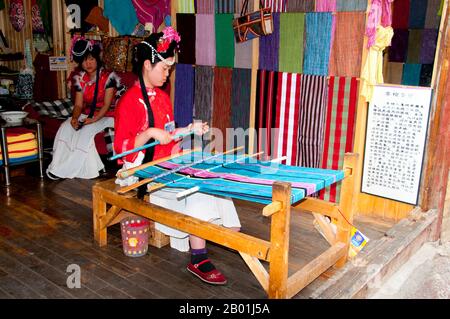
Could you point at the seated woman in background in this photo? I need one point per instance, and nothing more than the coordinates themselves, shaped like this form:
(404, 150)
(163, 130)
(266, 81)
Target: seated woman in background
(74, 151)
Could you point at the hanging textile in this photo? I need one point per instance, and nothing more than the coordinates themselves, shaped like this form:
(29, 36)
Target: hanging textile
(399, 46)
(426, 75)
(300, 6)
(339, 127)
(243, 53)
(380, 13)
(417, 14)
(221, 115)
(400, 14)
(153, 12)
(184, 94)
(432, 19)
(428, 47)
(122, 16)
(411, 74)
(224, 6)
(224, 40)
(186, 6)
(317, 44)
(238, 6)
(325, 6)
(276, 5)
(205, 46)
(292, 26)
(186, 28)
(372, 73)
(351, 5)
(269, 47)
(203, 97)
(394, 71)
(313, 104)
(287, 117)
(266, 108)
(240, 103)
(346, 52)
(414, 44)
(17, 14)
(205, 6)
(36, 20)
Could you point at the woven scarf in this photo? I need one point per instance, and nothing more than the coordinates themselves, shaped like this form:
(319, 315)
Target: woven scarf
(224, 40)
(393, 73)
(317, 44)
(325, 6)
(221, 115)
(417, 14)
(300, 6)
(400, 14)
(152, 11)
(351, 5)
(411, 74)
(205, 46)
(312, 120)
(185, 6)
(428, 47)
(240, 102)
(186, 28)
(205, 6)
(399, 46)
(346, 53)
(292, 27)
(414, 45)
(339, 128)
(432, 19)
(276, 5)
(184, 94)
(224, 6)
(269, 47)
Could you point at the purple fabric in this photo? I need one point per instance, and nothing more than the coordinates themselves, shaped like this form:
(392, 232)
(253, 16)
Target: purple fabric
(269, 46)
(428, 48)
(152, 11)
(199, 251)
(205, 46)
(325, 5)
(399, 46)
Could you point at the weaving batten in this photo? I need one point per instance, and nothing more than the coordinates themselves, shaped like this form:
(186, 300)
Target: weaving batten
(126, 189)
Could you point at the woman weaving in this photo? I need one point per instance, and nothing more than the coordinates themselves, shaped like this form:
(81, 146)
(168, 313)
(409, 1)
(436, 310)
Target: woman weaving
(74, 151)
(145, 113)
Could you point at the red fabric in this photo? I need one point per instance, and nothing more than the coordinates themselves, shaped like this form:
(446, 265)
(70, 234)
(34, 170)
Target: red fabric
(131, 120)
(400, 14)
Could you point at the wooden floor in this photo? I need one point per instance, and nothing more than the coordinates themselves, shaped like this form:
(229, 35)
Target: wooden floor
(45, 226)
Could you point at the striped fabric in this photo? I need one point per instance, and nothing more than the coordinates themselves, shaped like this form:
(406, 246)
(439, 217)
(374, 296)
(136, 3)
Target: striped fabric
(287, 116)
(184, 94)
(203, 97)
(317, 44)
(311, 120)
(351, 5)
(221, 115)
(238, 6)
(276, 5)
(224, 6)
(186, 6)
(339, 127)
(205, 42)
(325, 5)
(205, 6)
(269, 47)
(300, 6)
(240, 102)
(292, 27)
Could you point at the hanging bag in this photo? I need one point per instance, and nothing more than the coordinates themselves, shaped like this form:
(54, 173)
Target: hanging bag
(118, 52)
(252, 25)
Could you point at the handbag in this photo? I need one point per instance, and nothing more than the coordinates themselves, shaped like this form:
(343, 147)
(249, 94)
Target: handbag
(118, 52)
(249, 26)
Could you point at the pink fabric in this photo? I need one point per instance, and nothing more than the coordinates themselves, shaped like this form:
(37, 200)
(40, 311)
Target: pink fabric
(153, 11)
(380, 12)
(325, 5)
(17, 14)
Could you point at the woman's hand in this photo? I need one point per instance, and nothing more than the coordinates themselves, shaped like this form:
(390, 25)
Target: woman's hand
(162, 136)
(89, 121)
(74, 123)
(199, 128)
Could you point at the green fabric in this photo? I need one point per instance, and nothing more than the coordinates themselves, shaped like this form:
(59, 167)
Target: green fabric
(45, 7)
(2, 5)
(224, 40)
(292, 26)
(414, 46)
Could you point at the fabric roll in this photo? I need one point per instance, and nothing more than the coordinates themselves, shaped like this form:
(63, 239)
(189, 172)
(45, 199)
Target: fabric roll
(184, 94)
(205, 6)
(400, 14)
(240, 104)
(399, 46)
(313, 104)
(300, 6)
(224, 40)
(432, 18)
(339, 128)
(287, 117)
(317, 44)
(224, 6)
(243, 53)
(276, 5)
(205, 46)
(393, 73)
(428, 47)
(411, 74)
(414, 46)
(292, 26)
(269, 47)
(266, 109)
(325, 6)
(203, 96)
(185, 6)
(186, 28)
(346, 52)
(351, 5)
(426, 75)
(417, 14)
(221, 115)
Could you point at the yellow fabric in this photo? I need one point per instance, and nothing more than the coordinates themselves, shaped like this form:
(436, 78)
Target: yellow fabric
(373, 68)
(23, 154)
(19, 138)
(32, 144)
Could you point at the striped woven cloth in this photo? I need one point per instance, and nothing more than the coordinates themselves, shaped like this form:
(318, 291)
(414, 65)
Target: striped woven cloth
(186, 6)
(276, 5)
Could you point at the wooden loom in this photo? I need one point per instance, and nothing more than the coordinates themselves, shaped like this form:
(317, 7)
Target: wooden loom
(109, 208)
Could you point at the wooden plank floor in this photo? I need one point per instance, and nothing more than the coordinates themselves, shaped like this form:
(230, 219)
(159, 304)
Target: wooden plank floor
(45, 226)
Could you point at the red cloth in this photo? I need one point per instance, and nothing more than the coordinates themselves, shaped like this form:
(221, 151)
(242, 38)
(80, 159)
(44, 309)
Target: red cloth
(131, 119)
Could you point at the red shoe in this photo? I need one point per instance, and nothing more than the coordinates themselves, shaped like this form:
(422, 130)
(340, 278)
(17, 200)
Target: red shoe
(213, 277)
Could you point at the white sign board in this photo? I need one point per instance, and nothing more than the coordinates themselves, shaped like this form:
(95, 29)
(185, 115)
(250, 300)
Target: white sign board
(58, 63)
(397, 124)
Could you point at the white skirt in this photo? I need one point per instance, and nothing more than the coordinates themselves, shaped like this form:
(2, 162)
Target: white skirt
(74, 152)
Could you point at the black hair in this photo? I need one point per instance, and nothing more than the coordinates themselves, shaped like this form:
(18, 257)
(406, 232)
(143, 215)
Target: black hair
(82, 49)
(143, 52)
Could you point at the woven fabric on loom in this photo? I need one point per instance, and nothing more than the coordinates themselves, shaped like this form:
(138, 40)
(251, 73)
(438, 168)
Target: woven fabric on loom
(205, 6)
(269, 47)
(224, 40)
(432, 19)
(243, 53)
(287, 117)
(417, 14)
(428, 46)
(292, 27)
(203, 97)
(224, 6)
(300, 6)
(339, 127)
(184, 94)
(186, 29)
(400, 14)
(317, 44)
(221, 115)
(266, 109)
(351, 5)
(276, 5)
(205, 46)
(185, 6)
(313, 104)
(348, 44)
(325, 6)
(240, 102)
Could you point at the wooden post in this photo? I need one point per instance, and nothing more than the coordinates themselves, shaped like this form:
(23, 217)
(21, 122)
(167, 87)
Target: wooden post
(347, 205)
(279, 239)
(99, 211)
